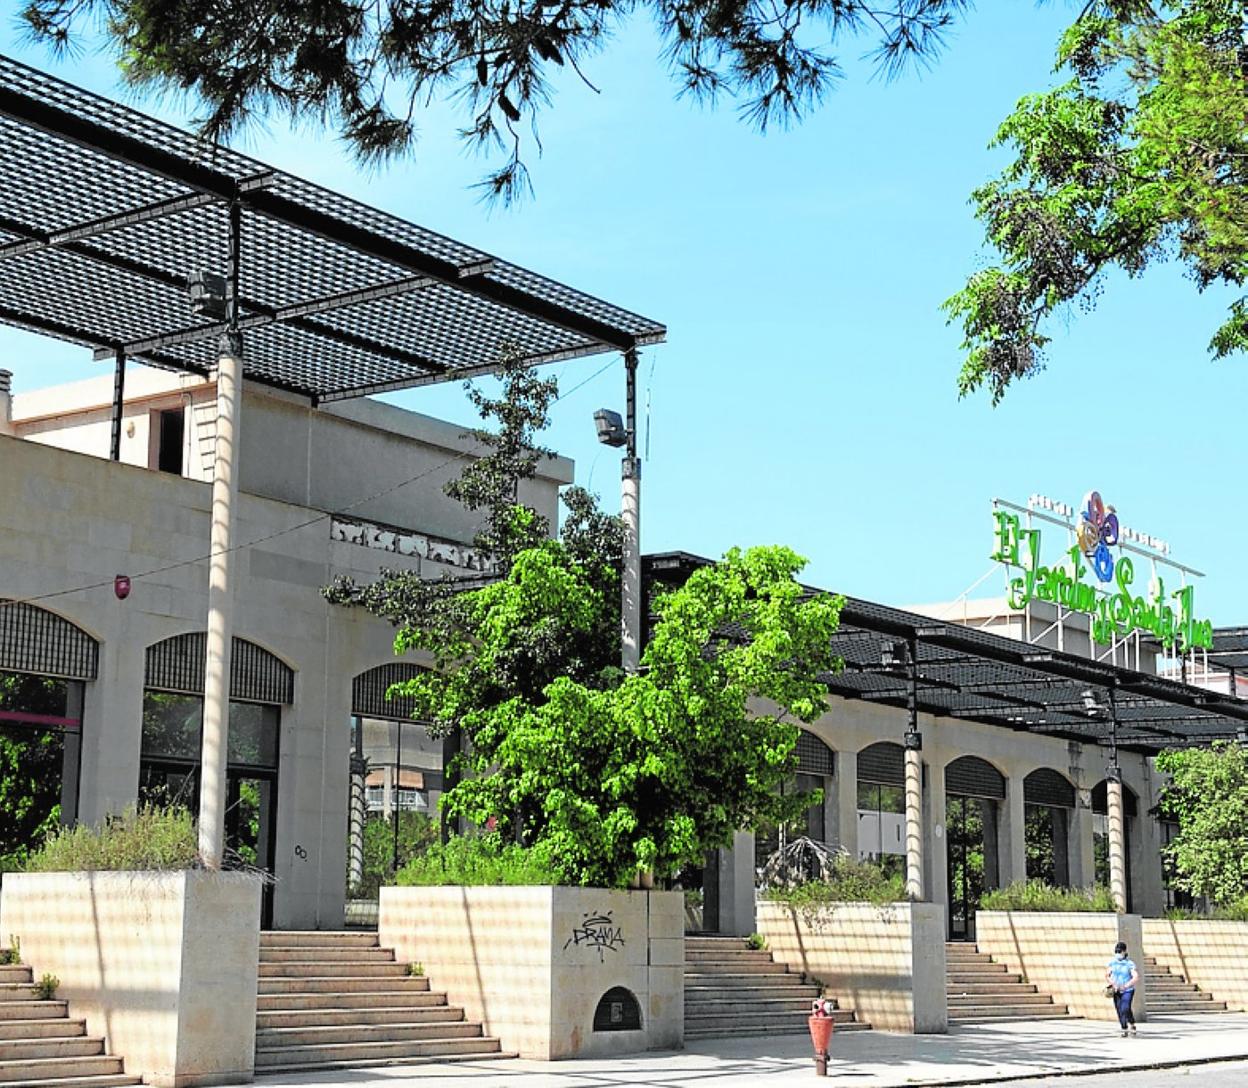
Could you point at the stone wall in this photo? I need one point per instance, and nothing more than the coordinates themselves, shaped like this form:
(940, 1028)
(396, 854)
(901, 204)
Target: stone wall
(163, 965)
(1211, 954)
(1064, 954)
(533, 963)
(887, 963)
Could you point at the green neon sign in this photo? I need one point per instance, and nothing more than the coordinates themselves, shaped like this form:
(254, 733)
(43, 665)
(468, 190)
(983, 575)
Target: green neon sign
(1115, 613)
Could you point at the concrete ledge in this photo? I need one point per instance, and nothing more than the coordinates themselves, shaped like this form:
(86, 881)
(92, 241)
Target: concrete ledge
(887, 962)
(1064, 954)
(1211, 954)
(163, 965)
(533, 963)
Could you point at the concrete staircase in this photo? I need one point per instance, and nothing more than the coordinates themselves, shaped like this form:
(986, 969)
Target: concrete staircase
(1170, 994)
(731, 989)
(980, 990)
(338, 999)
(40, 1045)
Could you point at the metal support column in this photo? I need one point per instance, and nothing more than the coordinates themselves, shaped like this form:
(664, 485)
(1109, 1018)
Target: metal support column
(1116, 816)
(220, 587)
(914, 777)
(630, 514)
(119, 398)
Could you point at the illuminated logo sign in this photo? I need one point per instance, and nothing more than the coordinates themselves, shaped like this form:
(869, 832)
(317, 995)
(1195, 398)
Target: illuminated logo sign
(1116, 611)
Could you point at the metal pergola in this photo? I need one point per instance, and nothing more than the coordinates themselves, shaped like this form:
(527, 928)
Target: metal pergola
(106, 213)
(962, 672)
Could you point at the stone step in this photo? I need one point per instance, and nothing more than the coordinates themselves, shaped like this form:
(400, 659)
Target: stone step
(332, 1017)
(965, 1014)
(332, 1034)
(959, 978)
(317, 954)
(991, 989)
(352, 999)
(1013, 1000)
(308, 984)
(986, 967)
(729, 1006)
(715, 942)
(743, 1027)
(365, 1063)
(25, 1049)
(333, 968)
(374, 1052)
(326, 938)
(108, 1080)
(15, 991)
(59, 1028)
(745, 994)
(60, 1070)
(33, 1010)
(1205, 1004)
(734, 967)
(15, 972)
(762, 1019)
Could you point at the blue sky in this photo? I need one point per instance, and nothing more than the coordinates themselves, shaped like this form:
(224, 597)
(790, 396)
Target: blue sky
(807, 393)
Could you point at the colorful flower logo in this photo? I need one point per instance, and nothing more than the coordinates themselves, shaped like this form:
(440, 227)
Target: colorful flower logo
(1098, 532)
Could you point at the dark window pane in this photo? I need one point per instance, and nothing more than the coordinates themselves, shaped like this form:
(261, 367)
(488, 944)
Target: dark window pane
(892, 799)
(171, 725)
(29, 694)
(253, 734)
(868, 796)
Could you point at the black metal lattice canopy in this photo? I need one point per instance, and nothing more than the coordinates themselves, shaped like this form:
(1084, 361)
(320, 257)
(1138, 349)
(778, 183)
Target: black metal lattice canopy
(105, 213)
(978, 676)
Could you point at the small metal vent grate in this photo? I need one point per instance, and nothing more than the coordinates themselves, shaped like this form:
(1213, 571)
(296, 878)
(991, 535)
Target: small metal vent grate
(883, 763)
(368, 692)
(813, 756)
(35, 640)
(256, 676)
(971, 776)
(1048, 787)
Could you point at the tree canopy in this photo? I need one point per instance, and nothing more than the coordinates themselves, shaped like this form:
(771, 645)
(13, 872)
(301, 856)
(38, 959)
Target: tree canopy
(1208, 796)
(1138, 157)
(369, 69)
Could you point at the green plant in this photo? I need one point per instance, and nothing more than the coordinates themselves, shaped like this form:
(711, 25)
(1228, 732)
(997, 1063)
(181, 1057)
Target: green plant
(417, 832)
(756, 941)
(693, 897)
(1228, 912)
(416, 970)
(13, 954)
(149, 838)
(46, 987)
(479, 859)
(848, 880)
(1036, 895)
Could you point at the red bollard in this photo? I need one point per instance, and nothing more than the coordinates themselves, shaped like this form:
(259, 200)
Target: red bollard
(821, 1024)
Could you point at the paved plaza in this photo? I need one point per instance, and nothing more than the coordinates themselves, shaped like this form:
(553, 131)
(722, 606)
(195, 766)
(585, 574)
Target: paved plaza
(967, 1055)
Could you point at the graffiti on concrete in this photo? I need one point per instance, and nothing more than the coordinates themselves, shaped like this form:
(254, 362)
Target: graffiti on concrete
(598, 931)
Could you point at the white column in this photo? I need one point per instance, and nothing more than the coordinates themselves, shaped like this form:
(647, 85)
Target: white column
(1117, 841)
(914, 823)
(630, 582)
(220, 611)
(845, 783)
(356, 856)
(1014, 838)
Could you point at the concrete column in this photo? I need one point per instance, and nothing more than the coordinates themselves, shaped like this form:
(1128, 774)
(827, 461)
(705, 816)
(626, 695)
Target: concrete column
(736, 886)
(844, 831)
(355, 855)
(6, 402)
(937, 870)
(1117, 841)
(630, 581)
(220, 610)
(1081, 852)
(1148, 889)
(1013, 833)
(914, 823)
(112, 722)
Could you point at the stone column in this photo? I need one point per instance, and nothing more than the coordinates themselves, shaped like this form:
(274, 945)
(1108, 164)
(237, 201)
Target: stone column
(845, 810)
(914, 820)
(937, 872)
(1080, 843)
(736, 886)
(355, 856)
(1117, 839)
(1013, 835)
(220, 610)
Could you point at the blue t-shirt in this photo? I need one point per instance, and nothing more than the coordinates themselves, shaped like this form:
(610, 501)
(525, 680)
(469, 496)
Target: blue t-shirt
(1121, 970)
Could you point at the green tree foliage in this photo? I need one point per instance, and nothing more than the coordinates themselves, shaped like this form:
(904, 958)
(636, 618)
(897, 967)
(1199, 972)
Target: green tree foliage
(30, 766)
(417, 833)
(650, 773)
(1208, 796)
(1137, 157)
(368, 69)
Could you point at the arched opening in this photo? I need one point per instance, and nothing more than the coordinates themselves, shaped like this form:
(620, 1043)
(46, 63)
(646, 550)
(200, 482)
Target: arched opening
(617, 1010)
(173, 706)
(1049, 803)
(974, 790)
(816, 765)
(45, 663)
(882, 806)
(1100, 833)
(397, 777)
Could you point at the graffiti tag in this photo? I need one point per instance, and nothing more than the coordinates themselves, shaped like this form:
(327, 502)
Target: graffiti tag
(598, 931)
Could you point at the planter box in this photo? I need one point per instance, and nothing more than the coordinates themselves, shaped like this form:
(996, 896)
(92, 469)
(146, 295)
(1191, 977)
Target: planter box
(1064, 954)
(535, 964)
(163, 965)
(887, 963)
(1211, 954)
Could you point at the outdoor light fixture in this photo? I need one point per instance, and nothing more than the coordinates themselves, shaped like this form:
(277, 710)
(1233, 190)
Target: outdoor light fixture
(610, 426)
(893, 654)
(207, 295)
(1091, 703)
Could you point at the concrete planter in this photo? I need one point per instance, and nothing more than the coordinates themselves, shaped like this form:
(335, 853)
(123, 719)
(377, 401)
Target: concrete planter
(1211, 954)
(1064, 954)
(163, 965)
(886, 962)
(535, 965)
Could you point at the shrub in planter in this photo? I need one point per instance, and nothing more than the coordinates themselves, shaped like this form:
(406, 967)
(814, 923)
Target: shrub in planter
(1036, 895)
(846, 880)
(150, 838)
(479, 859)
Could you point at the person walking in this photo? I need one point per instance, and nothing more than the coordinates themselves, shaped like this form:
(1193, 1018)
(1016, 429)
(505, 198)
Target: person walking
(1121, 975)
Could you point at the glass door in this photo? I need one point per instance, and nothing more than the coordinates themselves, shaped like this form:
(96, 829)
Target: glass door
(970, 825)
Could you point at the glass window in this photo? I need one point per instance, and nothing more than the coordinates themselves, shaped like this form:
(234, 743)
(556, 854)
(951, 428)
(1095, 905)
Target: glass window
(24, 693)
(171, 725)
(253, 734)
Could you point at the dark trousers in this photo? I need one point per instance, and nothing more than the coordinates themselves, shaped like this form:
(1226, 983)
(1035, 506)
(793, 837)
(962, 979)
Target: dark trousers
(1122, 1004)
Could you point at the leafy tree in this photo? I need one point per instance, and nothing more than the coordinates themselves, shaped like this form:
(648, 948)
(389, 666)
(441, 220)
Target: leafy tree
(30, 766)
(1138, 157)
(417, 832)
(650, 773)
(1208, 796)
(368, 69)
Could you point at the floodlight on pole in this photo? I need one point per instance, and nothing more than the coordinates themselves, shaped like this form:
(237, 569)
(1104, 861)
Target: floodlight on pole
(611, 429)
